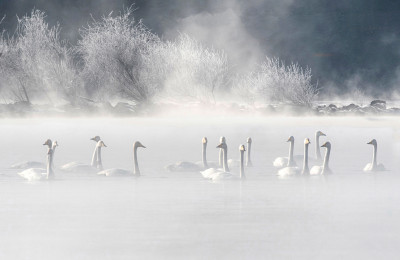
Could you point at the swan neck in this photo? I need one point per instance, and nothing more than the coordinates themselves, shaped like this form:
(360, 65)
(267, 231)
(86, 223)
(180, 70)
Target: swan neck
(317, 148)
(204, 156)
(326, 158)
(242, 175)
(99, 162)
(374, 156)
(49, 168)
(248, 159)
(221, 157)
(94, 157)
(136, 170)
(225, 155)
(306, 169)
(291, 148)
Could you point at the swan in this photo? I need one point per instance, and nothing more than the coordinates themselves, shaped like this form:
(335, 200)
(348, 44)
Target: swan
(189, 166)
(121, 172)
(224, 173)
(35, 174)
(294, 170)
(96, 165)
(33, 164)
(324, 169)
(374, 166)
(286, 161)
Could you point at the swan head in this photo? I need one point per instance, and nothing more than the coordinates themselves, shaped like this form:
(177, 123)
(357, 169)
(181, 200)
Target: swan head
(96, 138)
(373, 142)
(204, 140)
(242, 148)
(222, 145)
(222, 139)
(307, 141)
(249, 140)
(48, 143)
(291, 139)
(138, 144)
(319, 133)
(101, 144)
(327, 145)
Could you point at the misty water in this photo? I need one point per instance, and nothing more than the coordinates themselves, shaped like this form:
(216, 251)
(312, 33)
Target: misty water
(162, 215)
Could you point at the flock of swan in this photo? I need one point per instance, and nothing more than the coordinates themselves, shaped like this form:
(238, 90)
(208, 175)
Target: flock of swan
(219, 170)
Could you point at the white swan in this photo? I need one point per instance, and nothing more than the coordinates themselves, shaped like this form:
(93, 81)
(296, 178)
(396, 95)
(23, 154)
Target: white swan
(35, 174)
(374, 166)
(33, 164)
(189, 166)
(95, 166)
(114, 172)
(286, 161)
(224, 173)
(294, 170)
(324, 169)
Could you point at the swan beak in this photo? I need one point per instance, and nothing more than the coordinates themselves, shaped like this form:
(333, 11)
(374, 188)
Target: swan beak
(219, 146)
(322, 134)
(369, 142)
(143, 146)
(288, 140)
(324, 145)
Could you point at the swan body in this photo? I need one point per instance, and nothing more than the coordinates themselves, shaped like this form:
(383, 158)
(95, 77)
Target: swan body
(36, 174)
(280, 162)
(224, 173)
(189, 166)
(95, 166)
(115, 172)
(294, 170)
(324, 169)
(219, 173)
(374, 166)
(183, 167)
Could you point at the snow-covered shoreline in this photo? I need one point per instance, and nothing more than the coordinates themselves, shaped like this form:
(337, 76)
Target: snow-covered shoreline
(127, 109)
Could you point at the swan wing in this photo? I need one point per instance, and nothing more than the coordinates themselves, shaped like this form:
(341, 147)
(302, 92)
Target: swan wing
(280, 162)
(316, 170)
(28, 164)
(33, 174)
(114, 172)
(183, 167)
(288, 171)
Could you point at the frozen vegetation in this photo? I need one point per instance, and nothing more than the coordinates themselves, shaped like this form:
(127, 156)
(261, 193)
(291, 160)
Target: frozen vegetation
(119, 61)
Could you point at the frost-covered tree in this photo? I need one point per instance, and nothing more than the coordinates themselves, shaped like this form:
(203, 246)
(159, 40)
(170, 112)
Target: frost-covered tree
(116, 51)
(194, 72)
(36, 63)
(276, 82)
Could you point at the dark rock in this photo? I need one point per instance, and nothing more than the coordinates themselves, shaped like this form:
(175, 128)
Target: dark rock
(351, 107)
(378, 104)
